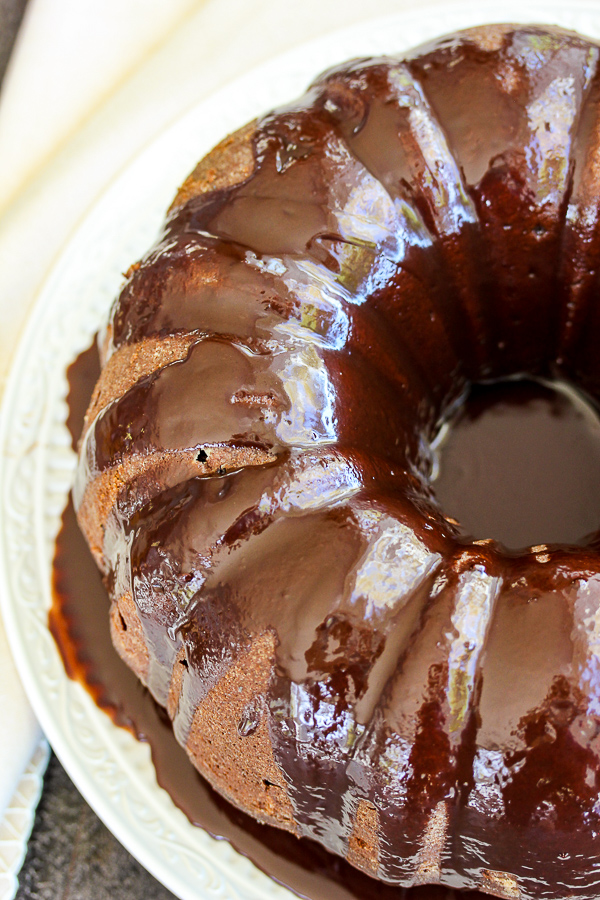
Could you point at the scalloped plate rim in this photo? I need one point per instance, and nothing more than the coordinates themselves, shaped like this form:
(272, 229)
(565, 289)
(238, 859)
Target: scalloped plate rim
(46, 447)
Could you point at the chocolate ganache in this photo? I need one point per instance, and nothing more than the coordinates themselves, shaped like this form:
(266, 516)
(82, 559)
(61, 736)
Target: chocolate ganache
(338, 658)
(80, 624)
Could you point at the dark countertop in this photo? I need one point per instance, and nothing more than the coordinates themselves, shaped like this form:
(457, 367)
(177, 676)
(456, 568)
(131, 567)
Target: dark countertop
(71, 854)
(11, 13)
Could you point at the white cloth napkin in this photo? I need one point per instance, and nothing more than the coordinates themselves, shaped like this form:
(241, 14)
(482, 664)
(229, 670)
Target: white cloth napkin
(20, 732)
(88, 86)
(70, 55)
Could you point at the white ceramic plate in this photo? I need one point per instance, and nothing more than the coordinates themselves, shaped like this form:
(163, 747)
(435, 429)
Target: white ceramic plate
(111, 769)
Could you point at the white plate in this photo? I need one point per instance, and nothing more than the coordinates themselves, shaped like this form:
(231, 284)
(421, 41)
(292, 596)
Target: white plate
(112, 770)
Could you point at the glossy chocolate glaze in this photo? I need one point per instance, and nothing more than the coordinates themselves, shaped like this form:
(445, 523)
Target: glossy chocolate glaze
(410, 227)
(79, 623)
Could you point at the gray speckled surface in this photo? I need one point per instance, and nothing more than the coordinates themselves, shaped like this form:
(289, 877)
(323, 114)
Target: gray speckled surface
(71, 854)
(11, 13)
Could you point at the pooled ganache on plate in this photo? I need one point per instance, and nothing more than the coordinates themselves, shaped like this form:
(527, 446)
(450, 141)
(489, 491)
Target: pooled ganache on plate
(256, 477)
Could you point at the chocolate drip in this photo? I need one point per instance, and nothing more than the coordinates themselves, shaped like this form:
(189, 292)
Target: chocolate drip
(398, 238)
(79, 622)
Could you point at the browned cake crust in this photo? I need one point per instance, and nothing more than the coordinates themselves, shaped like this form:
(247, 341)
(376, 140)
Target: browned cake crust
(243, 770)
(231, 162)
(251, 470)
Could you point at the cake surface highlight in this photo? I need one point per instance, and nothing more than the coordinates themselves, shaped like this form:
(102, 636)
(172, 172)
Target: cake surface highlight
(254, 473)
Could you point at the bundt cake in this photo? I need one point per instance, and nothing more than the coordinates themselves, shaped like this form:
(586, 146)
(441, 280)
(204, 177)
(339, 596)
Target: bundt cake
(255, 469)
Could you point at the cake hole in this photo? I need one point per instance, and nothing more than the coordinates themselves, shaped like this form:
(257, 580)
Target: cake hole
(202, 456)
(520, 463)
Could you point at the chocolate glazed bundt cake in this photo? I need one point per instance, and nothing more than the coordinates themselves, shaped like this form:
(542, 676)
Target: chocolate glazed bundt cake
(255, 470)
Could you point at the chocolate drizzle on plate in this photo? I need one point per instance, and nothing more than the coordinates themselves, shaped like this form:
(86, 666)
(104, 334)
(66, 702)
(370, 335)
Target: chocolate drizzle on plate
(79, 622)
(338, 655)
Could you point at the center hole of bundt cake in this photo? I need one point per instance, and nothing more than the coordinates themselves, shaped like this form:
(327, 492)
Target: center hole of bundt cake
(520, 463)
